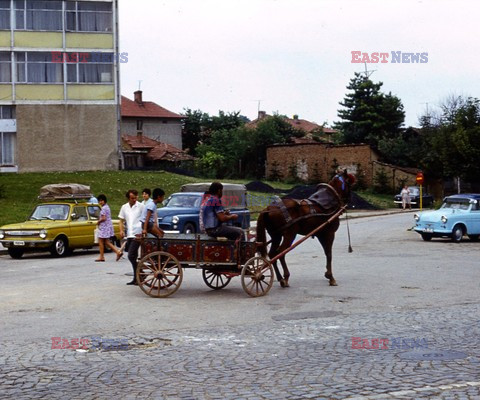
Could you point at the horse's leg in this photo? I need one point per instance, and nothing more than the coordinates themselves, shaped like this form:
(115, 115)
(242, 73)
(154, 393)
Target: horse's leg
(326, 238)
(288, 239)
(276, 239)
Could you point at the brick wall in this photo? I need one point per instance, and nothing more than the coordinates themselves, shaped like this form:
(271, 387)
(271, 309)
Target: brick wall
(316, 162)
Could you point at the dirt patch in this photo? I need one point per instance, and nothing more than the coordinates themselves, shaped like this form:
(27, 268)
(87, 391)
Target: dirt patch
(305, 191)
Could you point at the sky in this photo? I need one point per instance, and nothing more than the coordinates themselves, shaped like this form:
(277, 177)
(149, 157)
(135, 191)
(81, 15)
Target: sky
(295, 56)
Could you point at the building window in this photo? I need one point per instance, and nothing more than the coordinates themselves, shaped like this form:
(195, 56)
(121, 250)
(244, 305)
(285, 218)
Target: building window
(89, 16)
(7, 112)
(38, 15)
(91, 68)
(37, 67)
(4, 14)
(139, 125)
(7, 148)
(5, 67)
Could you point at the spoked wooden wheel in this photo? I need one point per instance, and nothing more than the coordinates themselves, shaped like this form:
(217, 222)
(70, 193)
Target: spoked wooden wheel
(159, 274)
(257, 276)
(215, 280)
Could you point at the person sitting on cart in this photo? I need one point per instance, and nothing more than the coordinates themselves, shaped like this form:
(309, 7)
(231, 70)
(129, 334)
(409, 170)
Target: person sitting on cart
(214, 216)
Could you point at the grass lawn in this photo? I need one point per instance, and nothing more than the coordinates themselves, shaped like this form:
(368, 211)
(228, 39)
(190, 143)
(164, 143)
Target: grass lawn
(19, 192)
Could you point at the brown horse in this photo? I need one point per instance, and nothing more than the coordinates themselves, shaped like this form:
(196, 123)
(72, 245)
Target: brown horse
(288, 217)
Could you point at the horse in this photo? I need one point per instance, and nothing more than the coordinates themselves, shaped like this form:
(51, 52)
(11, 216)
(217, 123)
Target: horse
(286, 218)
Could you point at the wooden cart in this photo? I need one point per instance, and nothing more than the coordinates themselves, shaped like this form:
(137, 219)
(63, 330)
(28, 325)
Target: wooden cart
(160, 269)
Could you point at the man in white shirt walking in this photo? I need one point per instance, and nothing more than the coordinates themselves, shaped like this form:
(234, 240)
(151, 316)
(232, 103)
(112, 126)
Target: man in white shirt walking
(131, 228)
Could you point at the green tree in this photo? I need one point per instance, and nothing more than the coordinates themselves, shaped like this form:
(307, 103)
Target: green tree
(368, 115)
(199, 126)
(193, 130)
(452, 140)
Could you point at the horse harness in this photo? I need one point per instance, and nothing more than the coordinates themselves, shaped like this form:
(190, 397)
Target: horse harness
(325, 197)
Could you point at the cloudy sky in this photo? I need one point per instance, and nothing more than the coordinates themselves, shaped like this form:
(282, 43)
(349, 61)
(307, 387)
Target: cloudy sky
(294, 56)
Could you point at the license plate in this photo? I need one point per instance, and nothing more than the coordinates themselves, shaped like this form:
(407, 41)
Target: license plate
(19, 243)
(428, 230)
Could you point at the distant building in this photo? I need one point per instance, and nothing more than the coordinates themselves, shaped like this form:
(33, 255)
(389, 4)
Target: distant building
(152, 120)
(317, 162)
(310, 129)
(141, 152)
(59, 66)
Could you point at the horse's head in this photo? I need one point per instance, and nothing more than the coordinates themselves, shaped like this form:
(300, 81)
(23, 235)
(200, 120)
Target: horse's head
(342, 183)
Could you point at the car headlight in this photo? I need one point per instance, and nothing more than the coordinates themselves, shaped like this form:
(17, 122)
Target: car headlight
(416, 217)
(43, 233)
(2, 234)
(175, 219)
(444, 219)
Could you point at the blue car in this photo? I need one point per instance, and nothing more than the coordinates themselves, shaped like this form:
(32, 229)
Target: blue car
(181, 211)
(459, 215)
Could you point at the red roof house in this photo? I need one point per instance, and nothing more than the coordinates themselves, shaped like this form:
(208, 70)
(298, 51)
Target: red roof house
(152, 120)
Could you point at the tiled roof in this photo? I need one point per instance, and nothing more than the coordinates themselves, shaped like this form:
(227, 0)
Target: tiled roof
(303, 124)
(145, 109)
(157, 151)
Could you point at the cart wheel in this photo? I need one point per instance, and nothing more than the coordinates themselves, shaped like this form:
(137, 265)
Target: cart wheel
(257, 276)
(159, 274)
(215, 280)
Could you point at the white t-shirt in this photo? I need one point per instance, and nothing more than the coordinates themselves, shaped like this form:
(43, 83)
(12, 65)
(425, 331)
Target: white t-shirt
(131, 215)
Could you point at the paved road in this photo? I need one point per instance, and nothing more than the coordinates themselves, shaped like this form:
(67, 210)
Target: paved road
(294, 343)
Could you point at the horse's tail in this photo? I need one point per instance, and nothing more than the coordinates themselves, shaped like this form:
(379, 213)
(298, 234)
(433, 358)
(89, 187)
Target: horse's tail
(261, 236)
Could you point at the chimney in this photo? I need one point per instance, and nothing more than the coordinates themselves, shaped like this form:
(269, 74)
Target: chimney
(138, 97)
(295, 117)
(262, 115)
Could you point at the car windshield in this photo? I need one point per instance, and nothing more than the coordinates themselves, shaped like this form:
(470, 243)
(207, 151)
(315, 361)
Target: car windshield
(456, 204)
(413, 191)
(50, 211)
(184, 201)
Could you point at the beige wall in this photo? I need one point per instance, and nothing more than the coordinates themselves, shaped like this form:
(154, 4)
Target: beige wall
(66, 137)
(155, 128)
(314, 162)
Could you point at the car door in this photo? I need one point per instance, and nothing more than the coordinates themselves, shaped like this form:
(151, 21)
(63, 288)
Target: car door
(473, 223)
(82, 228)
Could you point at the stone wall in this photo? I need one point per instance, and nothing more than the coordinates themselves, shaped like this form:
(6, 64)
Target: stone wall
(316, 162)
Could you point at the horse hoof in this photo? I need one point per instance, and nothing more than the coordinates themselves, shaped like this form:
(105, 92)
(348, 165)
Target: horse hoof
(333, 282)
(283, 283)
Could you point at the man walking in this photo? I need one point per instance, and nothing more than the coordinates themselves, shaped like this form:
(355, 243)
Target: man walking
(129, 216)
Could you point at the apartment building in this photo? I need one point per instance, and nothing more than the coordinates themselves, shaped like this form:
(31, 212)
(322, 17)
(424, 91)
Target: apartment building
(59, 85)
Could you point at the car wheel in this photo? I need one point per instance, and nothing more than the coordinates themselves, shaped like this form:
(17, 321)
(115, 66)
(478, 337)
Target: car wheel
(427, 236)
(15, 253)
(473, 238)
(189, 228)
(457, 234)
(60, 247)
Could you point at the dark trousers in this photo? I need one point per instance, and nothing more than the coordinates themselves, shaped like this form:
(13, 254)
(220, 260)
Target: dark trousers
(230, 232)
(132, 246)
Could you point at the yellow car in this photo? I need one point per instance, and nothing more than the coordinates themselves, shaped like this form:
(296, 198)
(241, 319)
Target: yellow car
(58, 227)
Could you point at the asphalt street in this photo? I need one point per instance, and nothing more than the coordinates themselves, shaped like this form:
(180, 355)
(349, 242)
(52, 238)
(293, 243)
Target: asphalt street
(402, 324)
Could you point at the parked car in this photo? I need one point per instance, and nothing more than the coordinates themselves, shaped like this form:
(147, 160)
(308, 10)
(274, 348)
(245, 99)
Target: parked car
(55, 226)
(181, 211)
(427, 199)
(459, 215)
